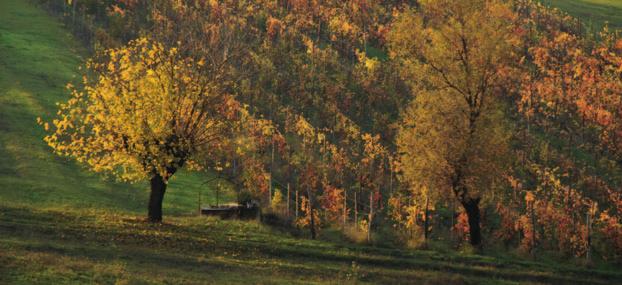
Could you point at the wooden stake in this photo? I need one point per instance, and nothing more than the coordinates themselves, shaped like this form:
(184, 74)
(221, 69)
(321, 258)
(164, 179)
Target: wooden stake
(371, 215)
(288, 197)
(345, 205)
(589, 233)
(356, 211)
(296, 204)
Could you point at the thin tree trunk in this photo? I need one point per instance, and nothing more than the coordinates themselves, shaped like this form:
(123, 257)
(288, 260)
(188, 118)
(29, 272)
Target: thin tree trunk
(589, 235)
(158, 187)
(312, 217)
(371, 215)
(533, 228)
(73, 13)
(345, 207)
(356, 210)
(288, 198)
(451, 228)
(425, 220)
(271, 166)
(199, 202)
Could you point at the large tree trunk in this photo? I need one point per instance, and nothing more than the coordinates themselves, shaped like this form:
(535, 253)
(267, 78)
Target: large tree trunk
(471, 206)
(158, 187)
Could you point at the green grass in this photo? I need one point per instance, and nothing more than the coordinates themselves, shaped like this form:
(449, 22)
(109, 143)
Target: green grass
(594, 13)
(82, 246)
(60, 224)
(37, 59)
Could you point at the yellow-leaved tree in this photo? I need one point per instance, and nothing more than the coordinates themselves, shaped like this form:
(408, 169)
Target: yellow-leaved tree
(144, 111)
(455, 55)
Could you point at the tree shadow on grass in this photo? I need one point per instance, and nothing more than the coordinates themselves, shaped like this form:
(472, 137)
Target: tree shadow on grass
(233, 246)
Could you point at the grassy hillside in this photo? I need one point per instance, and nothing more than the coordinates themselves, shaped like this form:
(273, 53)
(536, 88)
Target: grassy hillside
(37, 58)
(593, 12)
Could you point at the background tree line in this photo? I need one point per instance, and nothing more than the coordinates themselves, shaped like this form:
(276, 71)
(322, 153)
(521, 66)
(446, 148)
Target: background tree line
(413, 120)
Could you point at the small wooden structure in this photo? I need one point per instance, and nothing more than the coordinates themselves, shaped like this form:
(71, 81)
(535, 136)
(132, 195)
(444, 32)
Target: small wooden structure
(247, 211)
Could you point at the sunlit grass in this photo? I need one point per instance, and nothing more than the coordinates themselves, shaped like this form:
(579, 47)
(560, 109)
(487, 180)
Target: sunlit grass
(37, 58)
(594, 13)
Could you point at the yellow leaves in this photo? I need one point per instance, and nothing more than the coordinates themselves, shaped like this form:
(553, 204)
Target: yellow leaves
(372, 146)
(173, 51)
(321, 138)
(562, 38)
(134, 116)
(370, 64)
(304, 128)
(341, 25)
(46, 125)
(309, 44)
(111, 67)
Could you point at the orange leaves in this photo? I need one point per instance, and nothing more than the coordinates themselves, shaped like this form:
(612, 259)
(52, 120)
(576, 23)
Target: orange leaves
(529, 197)
(372, 149)
(462, 226)
(332, 203)
(611, 228)
(305, 220)
(575, 79)
(274, 27)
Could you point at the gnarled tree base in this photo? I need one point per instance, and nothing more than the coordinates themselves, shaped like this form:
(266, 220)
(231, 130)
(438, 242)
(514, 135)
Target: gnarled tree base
(158, 187)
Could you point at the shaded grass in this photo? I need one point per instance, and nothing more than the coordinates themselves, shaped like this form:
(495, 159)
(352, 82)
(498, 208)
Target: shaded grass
(96, 244)
(37, 58)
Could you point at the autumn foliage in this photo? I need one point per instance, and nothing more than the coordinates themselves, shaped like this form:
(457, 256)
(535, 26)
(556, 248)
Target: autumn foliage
(484, 120)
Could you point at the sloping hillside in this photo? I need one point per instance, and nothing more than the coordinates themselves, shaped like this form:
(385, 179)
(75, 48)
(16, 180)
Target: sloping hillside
(593, 12)
(37, 59)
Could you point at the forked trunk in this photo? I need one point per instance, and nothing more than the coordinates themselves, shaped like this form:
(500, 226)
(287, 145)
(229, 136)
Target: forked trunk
(471, 207)
(158, 187)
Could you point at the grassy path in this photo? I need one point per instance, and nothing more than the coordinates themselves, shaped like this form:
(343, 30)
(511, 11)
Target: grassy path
(38, 57)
